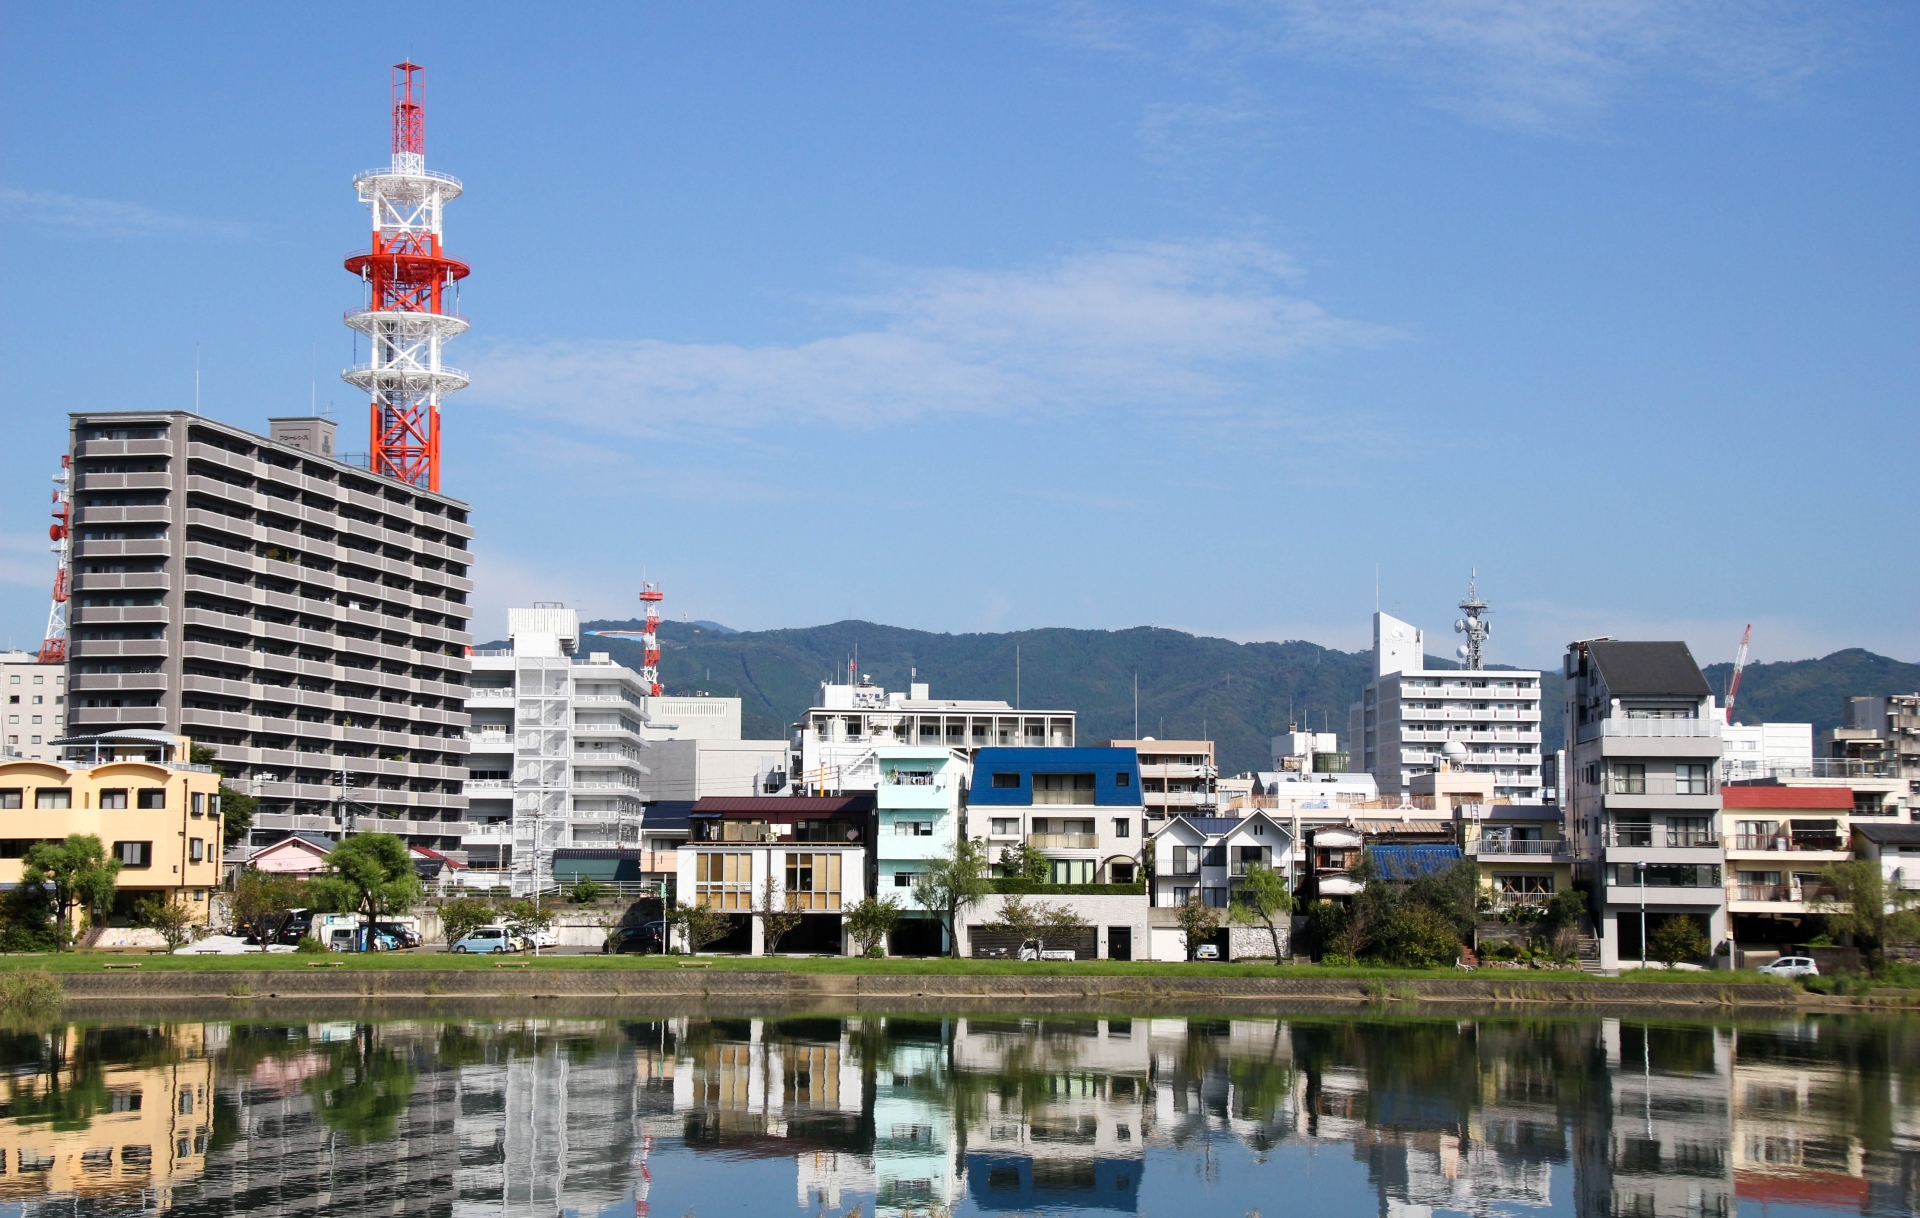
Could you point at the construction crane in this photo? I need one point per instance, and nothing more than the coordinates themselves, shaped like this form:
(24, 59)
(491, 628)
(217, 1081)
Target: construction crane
(1739, 666)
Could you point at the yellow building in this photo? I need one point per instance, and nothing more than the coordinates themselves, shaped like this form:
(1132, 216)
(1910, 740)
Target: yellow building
(138, 793)
(1523, 856)
(85, 1125)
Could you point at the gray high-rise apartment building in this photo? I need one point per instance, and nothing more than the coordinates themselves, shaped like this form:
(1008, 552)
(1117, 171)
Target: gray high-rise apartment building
(303, 617)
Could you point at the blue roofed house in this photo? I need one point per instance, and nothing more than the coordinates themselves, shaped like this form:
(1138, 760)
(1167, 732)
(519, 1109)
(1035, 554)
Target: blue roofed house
(1081, 808)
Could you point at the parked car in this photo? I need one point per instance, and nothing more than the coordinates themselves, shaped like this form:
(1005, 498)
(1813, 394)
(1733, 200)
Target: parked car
(1207, 951)
(649, 938)
(403, 935)
(487, 939)
(541, 938)
(1792, 966)
(1033, 949)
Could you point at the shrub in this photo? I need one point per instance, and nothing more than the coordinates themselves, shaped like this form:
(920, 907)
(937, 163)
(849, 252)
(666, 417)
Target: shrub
(29, 992)
(586, 891)
(1675, 939)
(310, 946)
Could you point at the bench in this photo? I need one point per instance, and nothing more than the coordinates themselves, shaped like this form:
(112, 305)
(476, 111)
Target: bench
(694, 964)
(326, 964)
(123, 964)
(511, 963)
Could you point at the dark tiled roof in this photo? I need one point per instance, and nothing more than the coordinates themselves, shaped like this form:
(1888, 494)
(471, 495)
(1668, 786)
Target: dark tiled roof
(1649, 670)
(666, 815)
(781, 805)
(1889, 835)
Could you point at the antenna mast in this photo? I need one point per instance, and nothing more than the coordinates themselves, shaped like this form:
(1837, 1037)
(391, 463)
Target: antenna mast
(651, 596)
(53, 649)
(407, 276)
(1474, 625)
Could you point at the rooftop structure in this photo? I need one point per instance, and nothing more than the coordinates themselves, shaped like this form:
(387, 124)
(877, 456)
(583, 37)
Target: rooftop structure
(1177, 777)
(837, 738)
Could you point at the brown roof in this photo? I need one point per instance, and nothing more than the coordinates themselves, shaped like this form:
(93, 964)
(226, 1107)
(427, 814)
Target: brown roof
(780, 805)
(1786, 797)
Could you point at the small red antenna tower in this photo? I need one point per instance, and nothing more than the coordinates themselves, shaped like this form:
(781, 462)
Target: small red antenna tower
(408, 275)
(651, 596)
(53, 649)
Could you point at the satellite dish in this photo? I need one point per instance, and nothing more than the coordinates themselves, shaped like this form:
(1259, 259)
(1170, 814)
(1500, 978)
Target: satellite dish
(1486, 627)
(1461, 651)
(1453, 750)
(1460, 627)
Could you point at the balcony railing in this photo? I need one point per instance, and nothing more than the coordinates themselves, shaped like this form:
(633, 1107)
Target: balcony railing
(1516, 846)
(1763, 892)
(1064, 841)
(1671, 839)
(1784, 842)
(1660, 728)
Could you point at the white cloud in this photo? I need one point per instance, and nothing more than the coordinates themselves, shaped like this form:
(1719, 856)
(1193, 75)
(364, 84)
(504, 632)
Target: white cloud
(107, 217)
(1160, 325)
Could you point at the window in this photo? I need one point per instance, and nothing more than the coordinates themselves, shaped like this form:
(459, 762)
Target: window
(1006, 782)
(813, 881)
(10, 797)
(723, 880)
(913, 828)
(1689, 831)
(199, 804)
(196, 850)
(1122, 873)
(134, 854)
(1063, 788)
(1072, 871)
(1006, 826)
(113, 797)
(1259, 829)
(1690, 778)
(1184, 860)
(1633, 830)
(1629, 778)
(53, 797)
(1182, 895)
(1122, 827)
(1123, 779)
(1524, 885)
(153, 797)
(903, 879)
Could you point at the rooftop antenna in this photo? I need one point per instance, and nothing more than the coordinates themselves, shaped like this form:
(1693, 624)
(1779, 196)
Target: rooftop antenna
(1474, 625)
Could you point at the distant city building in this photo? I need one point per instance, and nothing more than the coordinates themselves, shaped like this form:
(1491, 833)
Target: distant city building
(1879, 738)
(557, 752)
(695, 750)
(1177, 777)
(836, 741)
(1408, 713)
(1766, 750)
(1643, 746)
(36, 705)
(304, 618)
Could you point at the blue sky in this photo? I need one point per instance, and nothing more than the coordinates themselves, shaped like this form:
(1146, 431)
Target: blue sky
(991, 316)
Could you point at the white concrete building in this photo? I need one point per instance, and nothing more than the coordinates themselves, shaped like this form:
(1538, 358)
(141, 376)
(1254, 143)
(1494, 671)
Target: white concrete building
(36, 705)
(556, 751)
(1765, 750)
(836, 742)
(1408, 713)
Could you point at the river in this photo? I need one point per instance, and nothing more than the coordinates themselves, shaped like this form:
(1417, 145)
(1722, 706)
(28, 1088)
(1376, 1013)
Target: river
(1367, 1113)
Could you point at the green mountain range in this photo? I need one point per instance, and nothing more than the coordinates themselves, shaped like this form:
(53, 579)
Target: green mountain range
(1238, 694)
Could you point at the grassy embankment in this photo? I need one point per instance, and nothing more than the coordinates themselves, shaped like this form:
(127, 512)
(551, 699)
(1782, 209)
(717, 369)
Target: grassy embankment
(86, 962)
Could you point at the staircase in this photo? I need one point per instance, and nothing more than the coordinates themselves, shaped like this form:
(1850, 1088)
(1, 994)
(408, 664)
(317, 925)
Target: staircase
(1588, 952)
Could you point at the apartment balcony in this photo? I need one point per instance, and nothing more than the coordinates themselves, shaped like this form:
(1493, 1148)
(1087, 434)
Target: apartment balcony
(488, 786)
(1064, 841)
(97, 682)
(1658, 837)
(1658, 729)
(1494, 847)
(1780, 843)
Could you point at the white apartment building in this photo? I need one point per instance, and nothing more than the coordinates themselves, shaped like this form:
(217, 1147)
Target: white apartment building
(838, 739)
(1408, 714)
(695, 750)
(556, 751)
(36, 705)
(1765, 750)
(1177, 777)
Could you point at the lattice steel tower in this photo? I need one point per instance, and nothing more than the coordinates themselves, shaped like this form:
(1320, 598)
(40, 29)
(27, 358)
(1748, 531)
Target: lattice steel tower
(408, 277)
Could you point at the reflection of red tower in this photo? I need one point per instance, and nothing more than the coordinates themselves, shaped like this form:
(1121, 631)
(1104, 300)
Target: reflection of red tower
(651, 596)
(407, 274)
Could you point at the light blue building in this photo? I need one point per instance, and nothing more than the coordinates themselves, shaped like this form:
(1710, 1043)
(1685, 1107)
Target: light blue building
(921, 800)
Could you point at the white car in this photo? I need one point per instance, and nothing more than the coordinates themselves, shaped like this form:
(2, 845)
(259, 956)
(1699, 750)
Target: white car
(1792, 966)
(544, 938)
(1207, 951)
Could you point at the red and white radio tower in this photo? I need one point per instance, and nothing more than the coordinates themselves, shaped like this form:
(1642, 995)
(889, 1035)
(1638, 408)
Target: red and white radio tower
(651, 596)
(53, 649)
(407, 276)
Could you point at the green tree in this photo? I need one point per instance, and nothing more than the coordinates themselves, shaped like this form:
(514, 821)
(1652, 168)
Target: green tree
(702, 924)
(236, 806)
(1023, 862)
(1677, 938)
(1263, 900)
(1862, 904)
(1038, 921)
(372, 874)
(259, 897)
(586, 891)
(1198, 923)
(950, 885)
(525, 918)
(778, 918)
(168, 915)
(80, 874)
(871, 921)
(462, 916)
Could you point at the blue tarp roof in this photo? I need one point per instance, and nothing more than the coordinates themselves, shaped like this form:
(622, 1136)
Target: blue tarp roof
(1407, 862)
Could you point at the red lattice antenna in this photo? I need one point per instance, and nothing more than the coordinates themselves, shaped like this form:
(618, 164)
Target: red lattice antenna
(409, 109)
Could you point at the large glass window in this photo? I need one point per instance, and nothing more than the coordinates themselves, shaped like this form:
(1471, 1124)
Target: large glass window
(53, 797)
(1689, 831)
(134, 854)
(1691, 778)
(112, 797)
(1072, 871)
(1629, 778)
(1063, 788)
(813, 882)
(723, 880)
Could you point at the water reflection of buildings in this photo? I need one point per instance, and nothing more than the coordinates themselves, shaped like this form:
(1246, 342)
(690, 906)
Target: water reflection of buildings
(96, 1112)
(1603, 1118)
